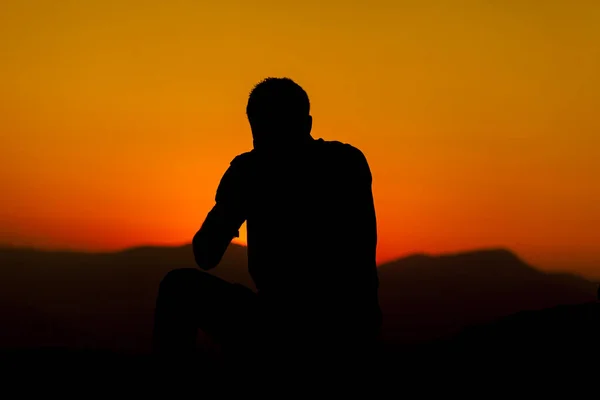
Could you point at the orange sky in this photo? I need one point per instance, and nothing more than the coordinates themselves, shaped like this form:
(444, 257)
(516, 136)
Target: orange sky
(479, 120)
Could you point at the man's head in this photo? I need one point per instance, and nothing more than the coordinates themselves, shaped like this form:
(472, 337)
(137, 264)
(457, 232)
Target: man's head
(279, 112)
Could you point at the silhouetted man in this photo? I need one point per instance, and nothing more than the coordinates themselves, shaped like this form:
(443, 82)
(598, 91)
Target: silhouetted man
(312, 237)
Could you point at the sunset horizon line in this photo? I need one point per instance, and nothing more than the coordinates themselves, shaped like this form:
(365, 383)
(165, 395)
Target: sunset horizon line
(173, 245)
(571, 269)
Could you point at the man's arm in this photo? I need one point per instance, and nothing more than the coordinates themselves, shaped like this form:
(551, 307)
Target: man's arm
(363, 224)
(223, 221)
(364, 217)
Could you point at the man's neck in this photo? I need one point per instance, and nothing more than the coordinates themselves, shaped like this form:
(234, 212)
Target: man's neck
(286, 146)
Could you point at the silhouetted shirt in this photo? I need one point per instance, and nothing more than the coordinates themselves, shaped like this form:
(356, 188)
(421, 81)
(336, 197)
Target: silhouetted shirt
(311, 226)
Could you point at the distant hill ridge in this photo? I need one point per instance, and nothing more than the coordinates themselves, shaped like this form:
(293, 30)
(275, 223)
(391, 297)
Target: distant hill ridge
(106, 300)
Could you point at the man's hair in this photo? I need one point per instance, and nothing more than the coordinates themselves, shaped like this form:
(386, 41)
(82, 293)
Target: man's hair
(279, 99)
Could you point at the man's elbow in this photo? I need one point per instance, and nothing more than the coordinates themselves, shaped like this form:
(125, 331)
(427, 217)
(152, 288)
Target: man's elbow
(203, 261)
(205, 264)
(204, 252)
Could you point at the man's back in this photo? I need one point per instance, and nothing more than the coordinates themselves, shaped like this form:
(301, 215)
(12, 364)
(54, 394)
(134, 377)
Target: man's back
(311, 226)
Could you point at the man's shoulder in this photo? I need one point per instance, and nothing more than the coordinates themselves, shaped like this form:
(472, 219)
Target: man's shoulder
(233, 180)
(236, 170)
(332, 149)
(343, 150)
(243, 158)
(242, 162)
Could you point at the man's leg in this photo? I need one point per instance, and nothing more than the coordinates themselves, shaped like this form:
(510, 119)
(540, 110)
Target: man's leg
(190, 299)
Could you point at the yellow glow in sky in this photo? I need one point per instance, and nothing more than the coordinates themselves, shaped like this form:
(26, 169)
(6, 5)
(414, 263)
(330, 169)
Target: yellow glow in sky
(479, 118)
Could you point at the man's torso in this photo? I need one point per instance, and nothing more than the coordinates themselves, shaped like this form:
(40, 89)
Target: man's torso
(311, 226)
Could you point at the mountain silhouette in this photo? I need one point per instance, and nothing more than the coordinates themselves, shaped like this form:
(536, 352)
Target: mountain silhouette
(430, 297)
(91, 300)
(105, 301)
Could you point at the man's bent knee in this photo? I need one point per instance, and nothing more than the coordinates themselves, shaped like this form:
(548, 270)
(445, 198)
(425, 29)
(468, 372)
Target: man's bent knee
(181, 276)
(180, 282)
(187, 283)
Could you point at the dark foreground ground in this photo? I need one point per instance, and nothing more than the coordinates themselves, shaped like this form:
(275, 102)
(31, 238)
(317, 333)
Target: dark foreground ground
(552, 344)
